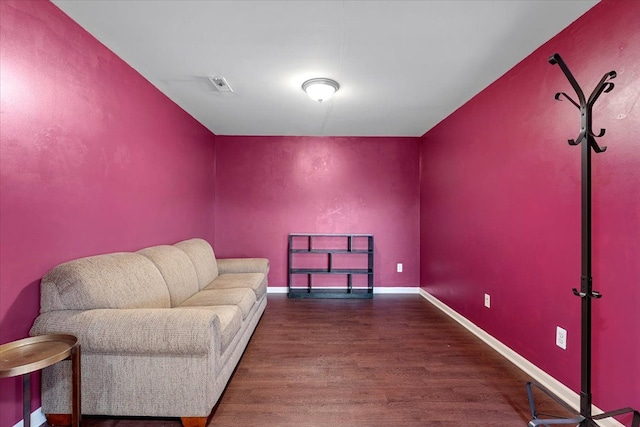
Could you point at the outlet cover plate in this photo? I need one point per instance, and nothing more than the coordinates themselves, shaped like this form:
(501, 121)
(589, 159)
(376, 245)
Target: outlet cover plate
(487, 300)
(561, 338)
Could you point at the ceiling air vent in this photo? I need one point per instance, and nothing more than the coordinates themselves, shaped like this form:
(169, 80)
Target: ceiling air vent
(220, 84)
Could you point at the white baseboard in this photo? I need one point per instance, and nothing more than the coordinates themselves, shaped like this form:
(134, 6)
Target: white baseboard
(37, 419)
(277, 289)
(376, 290)
(540, 376)
(398, 290)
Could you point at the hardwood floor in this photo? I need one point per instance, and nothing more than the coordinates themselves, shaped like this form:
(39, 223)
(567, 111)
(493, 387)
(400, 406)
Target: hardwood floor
(394, 360)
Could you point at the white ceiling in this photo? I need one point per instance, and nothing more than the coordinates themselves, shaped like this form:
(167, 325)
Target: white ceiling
(403, 66)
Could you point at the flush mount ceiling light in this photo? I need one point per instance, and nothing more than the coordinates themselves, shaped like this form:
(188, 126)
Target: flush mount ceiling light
(320, 89)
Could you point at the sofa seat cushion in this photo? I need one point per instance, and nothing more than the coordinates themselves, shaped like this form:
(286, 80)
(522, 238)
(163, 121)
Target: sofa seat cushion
(230, 318)
(255, 281)
(244, 298)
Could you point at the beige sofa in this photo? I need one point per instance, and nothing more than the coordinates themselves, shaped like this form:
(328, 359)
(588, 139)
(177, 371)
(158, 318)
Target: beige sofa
(161, 330)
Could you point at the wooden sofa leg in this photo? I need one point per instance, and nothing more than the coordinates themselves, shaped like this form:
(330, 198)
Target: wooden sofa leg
(194, 421)
(58, 419)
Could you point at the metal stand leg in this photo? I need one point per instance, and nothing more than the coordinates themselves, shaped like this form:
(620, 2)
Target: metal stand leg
(26, 399)
(76, 410)
(636, 415)
(536, 421)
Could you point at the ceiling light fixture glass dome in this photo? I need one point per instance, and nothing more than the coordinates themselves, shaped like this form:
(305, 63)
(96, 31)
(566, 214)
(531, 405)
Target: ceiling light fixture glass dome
(320, 89)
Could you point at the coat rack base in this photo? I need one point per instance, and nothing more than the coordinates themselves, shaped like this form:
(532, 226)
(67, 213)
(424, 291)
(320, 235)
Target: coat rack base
(586, 137)
(579, 420)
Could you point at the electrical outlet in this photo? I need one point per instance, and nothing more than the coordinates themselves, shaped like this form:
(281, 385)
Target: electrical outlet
(561, 338)
(399, 267)
(487, 300)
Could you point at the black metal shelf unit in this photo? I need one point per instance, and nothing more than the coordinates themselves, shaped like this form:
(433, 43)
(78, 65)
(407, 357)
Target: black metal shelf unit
(353, 253)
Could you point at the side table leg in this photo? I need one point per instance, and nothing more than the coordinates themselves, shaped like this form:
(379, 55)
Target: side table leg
(26, 399)
(76, 410)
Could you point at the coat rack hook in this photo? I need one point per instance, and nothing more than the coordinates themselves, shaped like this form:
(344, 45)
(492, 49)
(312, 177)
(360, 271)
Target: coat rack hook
(596, 147)
(557, 59)
(561, 94)
(578, 140)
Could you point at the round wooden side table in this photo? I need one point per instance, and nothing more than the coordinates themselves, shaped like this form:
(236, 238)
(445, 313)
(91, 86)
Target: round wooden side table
(32, 354)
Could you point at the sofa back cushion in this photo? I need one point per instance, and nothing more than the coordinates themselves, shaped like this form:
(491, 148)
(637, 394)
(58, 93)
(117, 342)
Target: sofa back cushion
(177, 269)
(201, 255)
(117, 280)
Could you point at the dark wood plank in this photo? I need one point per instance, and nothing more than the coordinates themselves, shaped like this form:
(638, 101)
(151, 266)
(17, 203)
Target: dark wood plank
(55, 420)
(194, 421)
(394, 360)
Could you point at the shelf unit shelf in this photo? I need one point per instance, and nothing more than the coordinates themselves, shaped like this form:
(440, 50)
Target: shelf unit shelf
(354, 250)
(329, 251)
(332, 271)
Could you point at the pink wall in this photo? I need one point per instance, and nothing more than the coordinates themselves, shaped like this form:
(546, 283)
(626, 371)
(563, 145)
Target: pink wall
(92, 159)
(500, 206)
(268, 187)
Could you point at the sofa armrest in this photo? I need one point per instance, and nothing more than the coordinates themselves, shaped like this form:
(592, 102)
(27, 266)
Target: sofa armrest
(243, 265)
(136, 331)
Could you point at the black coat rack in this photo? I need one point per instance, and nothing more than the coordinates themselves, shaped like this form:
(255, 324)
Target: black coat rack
(586, 293)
